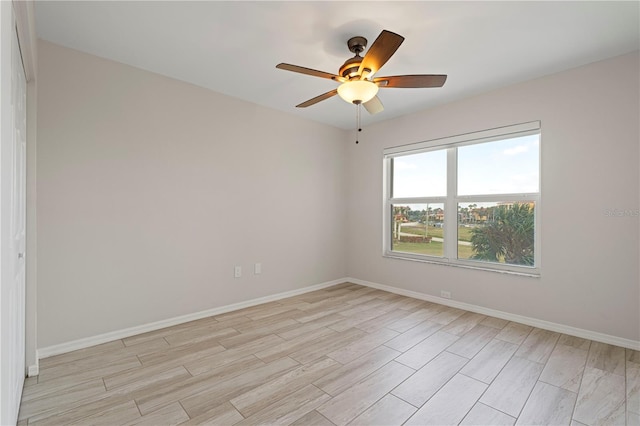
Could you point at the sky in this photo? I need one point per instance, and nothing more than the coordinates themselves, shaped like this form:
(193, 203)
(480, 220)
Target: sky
(503, 167)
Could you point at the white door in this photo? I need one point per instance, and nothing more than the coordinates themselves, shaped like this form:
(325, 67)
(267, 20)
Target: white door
(13, 343)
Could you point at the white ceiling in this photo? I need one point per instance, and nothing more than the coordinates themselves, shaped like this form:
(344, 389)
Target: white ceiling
(233, 47)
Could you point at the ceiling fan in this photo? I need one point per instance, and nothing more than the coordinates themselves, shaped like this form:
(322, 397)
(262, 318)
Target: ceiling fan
(359, 86)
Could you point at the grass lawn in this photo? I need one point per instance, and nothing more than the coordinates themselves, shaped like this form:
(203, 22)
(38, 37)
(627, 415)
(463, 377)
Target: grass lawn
(434, 248)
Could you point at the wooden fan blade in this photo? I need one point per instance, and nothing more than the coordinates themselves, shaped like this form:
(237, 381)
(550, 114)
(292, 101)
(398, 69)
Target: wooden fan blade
(318, 99)
(380, 51)
(309, 71)
(373, 106)
(409, 81)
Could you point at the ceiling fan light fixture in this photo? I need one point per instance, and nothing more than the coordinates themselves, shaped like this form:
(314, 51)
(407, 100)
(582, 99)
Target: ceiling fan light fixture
(358, 91)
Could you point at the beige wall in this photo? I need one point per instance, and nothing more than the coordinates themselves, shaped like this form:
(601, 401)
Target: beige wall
(151, 190)
(590, 140)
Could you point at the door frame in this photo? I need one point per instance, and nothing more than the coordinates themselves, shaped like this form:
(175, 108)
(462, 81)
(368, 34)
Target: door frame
(16, 21)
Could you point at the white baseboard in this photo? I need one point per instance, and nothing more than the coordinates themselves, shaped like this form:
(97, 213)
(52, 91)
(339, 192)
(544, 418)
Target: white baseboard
(33, 370)
(534, 322)
(128, 332)
(121, 334)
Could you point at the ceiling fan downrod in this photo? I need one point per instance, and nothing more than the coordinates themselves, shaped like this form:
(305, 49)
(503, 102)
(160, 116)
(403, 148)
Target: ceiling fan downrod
(351, 66)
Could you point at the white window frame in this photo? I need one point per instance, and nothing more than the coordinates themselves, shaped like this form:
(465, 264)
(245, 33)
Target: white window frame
(451, 200)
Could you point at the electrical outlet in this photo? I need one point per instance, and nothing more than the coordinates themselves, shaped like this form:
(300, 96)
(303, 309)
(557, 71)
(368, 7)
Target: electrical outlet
(445, 294)
(257, 268)
(237, 272)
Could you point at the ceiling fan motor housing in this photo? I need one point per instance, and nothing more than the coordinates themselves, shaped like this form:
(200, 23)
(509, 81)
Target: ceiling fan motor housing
(350, 68)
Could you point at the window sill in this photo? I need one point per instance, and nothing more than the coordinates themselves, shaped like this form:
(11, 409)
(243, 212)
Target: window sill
(529, 272)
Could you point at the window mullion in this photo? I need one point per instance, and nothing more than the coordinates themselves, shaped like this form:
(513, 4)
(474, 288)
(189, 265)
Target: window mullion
(417, 200)
(450, 209)
(497, 197)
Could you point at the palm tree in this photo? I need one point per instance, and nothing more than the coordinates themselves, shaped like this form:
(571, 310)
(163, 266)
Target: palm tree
(509, 236)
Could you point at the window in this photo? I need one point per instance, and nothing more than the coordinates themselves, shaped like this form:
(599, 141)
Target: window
(469, 200)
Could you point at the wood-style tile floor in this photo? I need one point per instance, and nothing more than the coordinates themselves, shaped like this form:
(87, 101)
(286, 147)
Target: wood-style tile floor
(344, 355)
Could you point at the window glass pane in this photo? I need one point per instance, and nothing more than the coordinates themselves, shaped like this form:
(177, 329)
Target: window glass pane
(502, 232)
(420, 175)
(418, 228)
(508, 166)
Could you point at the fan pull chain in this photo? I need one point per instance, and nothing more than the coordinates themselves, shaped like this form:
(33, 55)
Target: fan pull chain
(358, 128)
